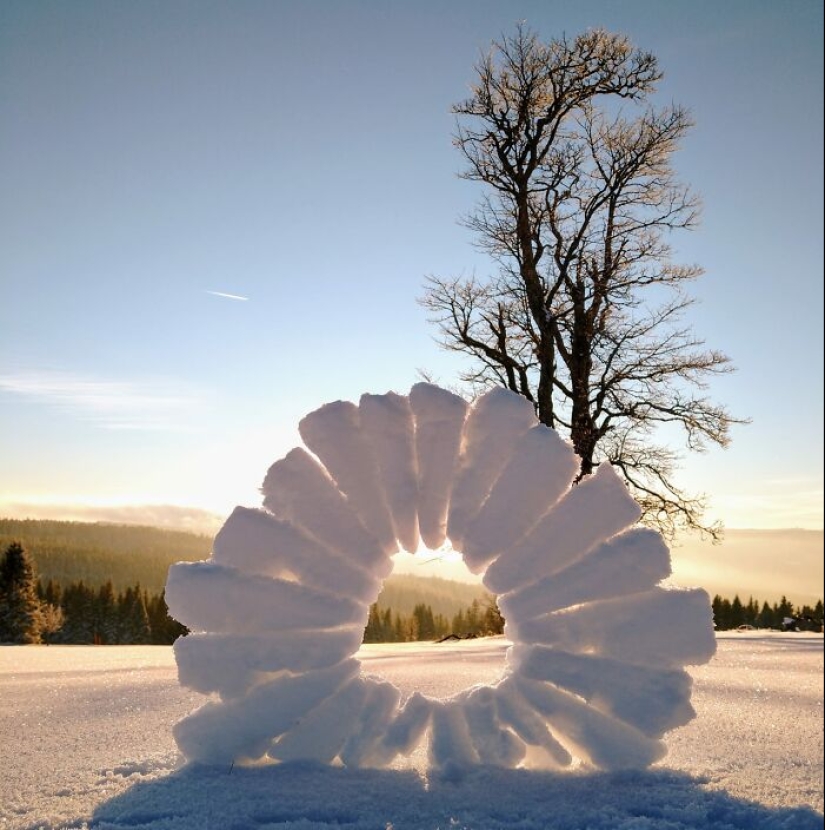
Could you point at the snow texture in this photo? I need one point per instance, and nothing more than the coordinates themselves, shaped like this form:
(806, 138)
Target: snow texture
(388, 424)
(86, 731)
(539, 471)
(334, 434)
(589, 513)
(629, 563)
(595, 676)
(256, 542)
(494, 424)
(439, 421)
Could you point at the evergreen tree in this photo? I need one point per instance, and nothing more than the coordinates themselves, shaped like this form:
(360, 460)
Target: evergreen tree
(387, 627)
(21, 617)
(766, 617)
(134, 619)
(107, 622)
(425, 622)
(737, 613)
(400, 631)
(165, 630)
(493, 622)
(79, 612)
(473, 618)
(52, 621)
(372, 632)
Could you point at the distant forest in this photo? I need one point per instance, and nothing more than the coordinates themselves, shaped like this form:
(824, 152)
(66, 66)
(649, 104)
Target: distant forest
(107, 583)
(782, 616)
(97, 553)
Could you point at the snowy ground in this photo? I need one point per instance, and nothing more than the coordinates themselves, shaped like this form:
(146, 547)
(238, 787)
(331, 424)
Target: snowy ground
(86, 741)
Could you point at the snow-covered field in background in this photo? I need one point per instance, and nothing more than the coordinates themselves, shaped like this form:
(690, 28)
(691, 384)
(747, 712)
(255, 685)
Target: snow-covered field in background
(86, 740)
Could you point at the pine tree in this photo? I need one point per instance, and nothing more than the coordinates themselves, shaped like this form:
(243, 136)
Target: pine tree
(387, 627)
(134, 619)
(79, 611)
(737, 613)
(425, 623)
(493, 621)
(372, 632)
(766, 617)
(21, 617)
(165, 630)
(107, 628)
(52, 621)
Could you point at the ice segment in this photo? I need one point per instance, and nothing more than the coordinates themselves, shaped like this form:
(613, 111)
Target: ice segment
(494, 744)
(334, 434)
(221, 733)
(589, 513)
(657, 628)
(439, 422)
(407, 729)
(517, 713)
(387, 424)
(451, 748)
(209, 597)
(257, 542)
(495, 422)
(629, 563)
(298, 489)
(540, 469)
(604, 742)
(650, 699)
(320, 736)
(231, 663)
(362, 747)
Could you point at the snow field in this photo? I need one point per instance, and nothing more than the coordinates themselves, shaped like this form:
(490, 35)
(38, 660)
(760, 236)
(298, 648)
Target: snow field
(599, 644)
(86, 733)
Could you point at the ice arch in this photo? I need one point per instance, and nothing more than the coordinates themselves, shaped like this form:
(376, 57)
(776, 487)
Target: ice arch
(596, 669)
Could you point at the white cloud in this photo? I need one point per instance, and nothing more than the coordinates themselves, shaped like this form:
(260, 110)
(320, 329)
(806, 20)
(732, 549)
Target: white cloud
(111, 404)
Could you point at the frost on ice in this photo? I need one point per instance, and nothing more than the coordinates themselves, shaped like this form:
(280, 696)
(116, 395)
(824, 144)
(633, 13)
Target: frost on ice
(596, 669)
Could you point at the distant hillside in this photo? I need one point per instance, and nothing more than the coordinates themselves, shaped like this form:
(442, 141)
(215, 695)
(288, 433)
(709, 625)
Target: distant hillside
(402, 592)
(126, 554)
(95, 553)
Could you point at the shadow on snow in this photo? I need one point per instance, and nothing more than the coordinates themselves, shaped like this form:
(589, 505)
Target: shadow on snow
(310, 797)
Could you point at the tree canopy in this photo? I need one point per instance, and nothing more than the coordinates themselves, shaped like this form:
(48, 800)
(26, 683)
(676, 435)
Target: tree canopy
(584, 315)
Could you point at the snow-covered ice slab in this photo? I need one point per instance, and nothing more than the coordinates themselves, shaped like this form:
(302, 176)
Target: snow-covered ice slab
(297, 488)
(595, 673)
(589, 513)
(629, 563)
(538, 471)
(388, 425)
(231, 664)
(439, 423)
(255, 541)
(495, 423)
(334, 434)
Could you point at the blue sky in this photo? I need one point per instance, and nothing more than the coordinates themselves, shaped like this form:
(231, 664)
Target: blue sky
(299, 154)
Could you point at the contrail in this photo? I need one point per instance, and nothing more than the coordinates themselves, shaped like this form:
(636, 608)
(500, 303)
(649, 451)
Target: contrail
(228, 296)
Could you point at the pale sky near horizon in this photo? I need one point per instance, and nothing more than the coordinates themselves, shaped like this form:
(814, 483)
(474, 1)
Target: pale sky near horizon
(215, 217)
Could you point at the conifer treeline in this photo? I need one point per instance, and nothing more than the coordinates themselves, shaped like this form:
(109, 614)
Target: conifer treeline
(729, 614)
(386, 626)
(78, 614)
(102, 617)
(70, 551)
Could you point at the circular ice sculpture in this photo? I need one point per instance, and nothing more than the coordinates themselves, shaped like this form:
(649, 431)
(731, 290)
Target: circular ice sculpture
(596, 669)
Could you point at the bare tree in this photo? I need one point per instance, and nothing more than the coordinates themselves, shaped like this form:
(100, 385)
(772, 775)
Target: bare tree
(585, 315)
